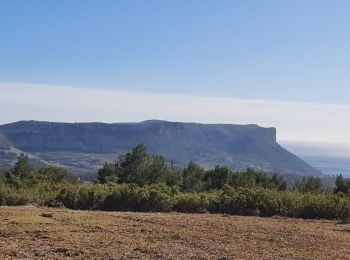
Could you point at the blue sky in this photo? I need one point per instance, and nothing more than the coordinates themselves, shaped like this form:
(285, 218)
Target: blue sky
(275, 63)
(284, 50)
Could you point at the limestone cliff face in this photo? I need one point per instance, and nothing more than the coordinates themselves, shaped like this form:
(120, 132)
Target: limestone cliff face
(238, 146)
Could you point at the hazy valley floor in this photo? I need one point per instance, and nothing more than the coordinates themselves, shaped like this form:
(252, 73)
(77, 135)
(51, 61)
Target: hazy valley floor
(45, 233)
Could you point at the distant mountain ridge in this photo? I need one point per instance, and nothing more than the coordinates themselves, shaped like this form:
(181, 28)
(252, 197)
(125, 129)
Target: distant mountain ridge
(83, 146)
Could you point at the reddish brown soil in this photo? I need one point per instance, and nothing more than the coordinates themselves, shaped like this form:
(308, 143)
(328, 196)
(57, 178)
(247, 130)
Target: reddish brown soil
(45, 233)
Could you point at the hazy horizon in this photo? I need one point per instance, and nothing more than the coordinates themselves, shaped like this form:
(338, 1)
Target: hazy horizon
(76, 104)
(275, 64)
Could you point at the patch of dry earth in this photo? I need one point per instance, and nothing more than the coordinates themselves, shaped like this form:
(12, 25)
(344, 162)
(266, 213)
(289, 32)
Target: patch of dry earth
(45, 233)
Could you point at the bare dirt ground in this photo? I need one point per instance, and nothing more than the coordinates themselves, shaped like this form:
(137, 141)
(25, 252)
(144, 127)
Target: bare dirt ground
(45, 233)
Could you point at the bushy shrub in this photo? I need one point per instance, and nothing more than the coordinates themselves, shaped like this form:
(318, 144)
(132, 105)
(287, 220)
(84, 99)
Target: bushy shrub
(265, 202)
(134, 198)
(245, 201)
(39, 194)
(82, 196)
(194, 202)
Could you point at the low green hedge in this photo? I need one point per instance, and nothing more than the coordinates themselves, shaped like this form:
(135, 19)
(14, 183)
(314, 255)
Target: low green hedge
(162, 198)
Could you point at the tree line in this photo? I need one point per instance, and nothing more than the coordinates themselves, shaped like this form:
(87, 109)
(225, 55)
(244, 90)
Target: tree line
(140, 181)
(142, 168)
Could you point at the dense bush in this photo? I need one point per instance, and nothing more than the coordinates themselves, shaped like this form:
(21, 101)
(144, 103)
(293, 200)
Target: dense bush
(81, 196)
(196, 202)
(39, 194)
(135, 198)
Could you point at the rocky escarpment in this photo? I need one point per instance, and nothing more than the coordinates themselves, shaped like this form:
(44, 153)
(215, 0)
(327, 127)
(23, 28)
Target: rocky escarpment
(238, 146)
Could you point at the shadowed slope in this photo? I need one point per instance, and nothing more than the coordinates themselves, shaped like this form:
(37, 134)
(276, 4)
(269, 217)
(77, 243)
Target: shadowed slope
(238, 146)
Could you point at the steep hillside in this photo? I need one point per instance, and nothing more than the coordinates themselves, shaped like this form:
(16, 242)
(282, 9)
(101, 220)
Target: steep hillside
(87, 145)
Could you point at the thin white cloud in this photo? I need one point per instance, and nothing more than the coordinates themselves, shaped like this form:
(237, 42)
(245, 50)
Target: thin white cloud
(294, 121)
